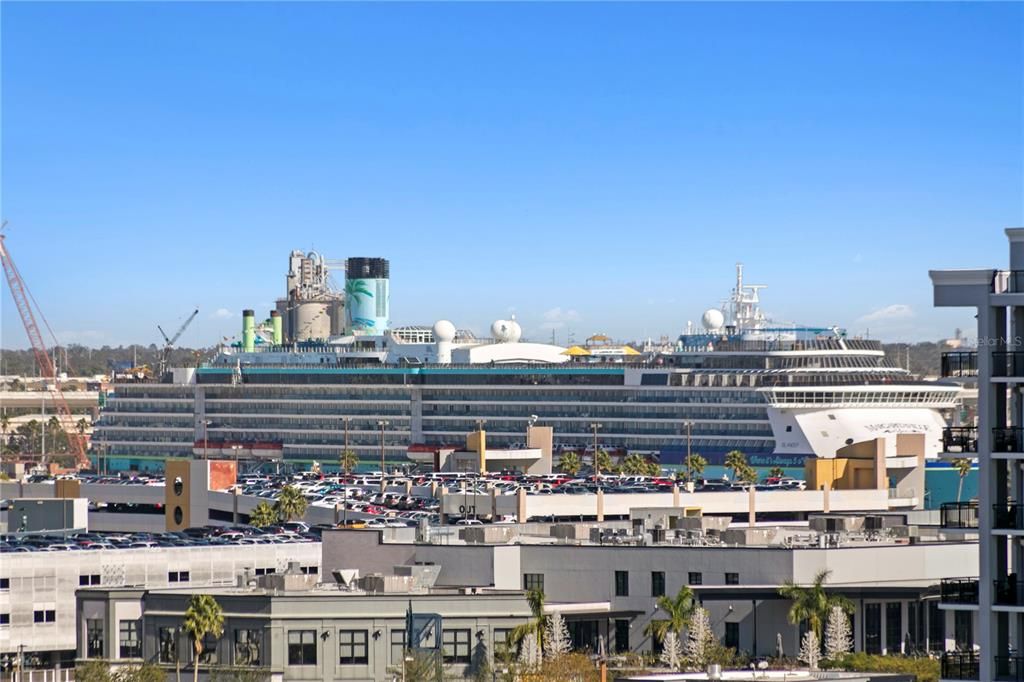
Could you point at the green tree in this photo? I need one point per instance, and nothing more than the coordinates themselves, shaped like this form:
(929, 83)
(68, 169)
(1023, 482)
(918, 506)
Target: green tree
(812, 603)
(776, 472)
(604, 463)
(736, 462)
(536, 624)
(636, 465)
(5, 426)
(570, 463)
(678, 609)
(695, 465)
(348, 462)
(263, 515)
(291, 504)
(203, 617)
(963, 468)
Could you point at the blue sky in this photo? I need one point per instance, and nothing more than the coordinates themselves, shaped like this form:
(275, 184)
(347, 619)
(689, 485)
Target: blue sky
(591, 167)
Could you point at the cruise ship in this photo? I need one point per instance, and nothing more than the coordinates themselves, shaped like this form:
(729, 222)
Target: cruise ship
(326, 371)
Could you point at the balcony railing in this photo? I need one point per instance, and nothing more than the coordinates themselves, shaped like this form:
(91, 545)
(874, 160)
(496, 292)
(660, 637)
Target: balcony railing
(1009, 668)
(959, 514)
(957, 364)
(1008, 439)
(959, 665)
(959, 591)
(1008, 363)
(960, 439)
(1008, 516)
(1008, 592)
(1008, 281)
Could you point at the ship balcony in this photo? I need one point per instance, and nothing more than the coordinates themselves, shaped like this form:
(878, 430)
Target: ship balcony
(958, 592)
(1007, 364)
(1008, 516)
(1008, 440)
(959, 515)
(959, 440)
(1009, 668)
(960, 665)
(1008, 592)
(959, 364)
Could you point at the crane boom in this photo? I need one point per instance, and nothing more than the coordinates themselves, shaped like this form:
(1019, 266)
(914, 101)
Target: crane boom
(182, 328)
(21, 296)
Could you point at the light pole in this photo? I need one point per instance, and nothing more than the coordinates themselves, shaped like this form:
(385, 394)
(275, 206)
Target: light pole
(597, 467)
(206, 439)
(345, 421)
(689, 463)
(234, 451)
(383, 425)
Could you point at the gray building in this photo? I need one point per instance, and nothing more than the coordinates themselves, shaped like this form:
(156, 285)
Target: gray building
(300, 630)
(37, 589)
(607, 589)
(996, 440)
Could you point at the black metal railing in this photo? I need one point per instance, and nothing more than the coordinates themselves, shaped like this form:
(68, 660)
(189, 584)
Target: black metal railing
(1009, 668)
(1008, 363)
(960, 665)
(959, 514)
(1008, 439)
(956, 364)
(960, 439)
(1008, 516)
(1008, 592)
(959, 591)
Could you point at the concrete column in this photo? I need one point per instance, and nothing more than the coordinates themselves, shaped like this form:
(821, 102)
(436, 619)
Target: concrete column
(234, 504)
(442, 494)
(408, 487)
(600, 504)
(826, 494)
(337, 513)
(675, 495)
(752, 515)
(521, 506)
(494, 502)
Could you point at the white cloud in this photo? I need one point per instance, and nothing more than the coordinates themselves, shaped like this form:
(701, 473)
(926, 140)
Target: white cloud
(896, 311)
(557, 318)
(221, 314)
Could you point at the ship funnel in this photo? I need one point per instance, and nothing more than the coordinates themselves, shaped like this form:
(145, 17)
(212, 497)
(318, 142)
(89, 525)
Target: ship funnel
(276, 325)
(248, 330)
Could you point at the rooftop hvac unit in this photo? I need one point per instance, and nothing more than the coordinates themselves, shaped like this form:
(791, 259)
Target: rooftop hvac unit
(346, 577)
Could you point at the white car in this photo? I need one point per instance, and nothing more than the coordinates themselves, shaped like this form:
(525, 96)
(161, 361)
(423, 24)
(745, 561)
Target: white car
(469, 522)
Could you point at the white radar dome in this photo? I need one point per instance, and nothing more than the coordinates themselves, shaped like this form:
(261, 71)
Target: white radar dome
(505, 331)
(713, 319)
(444, 331)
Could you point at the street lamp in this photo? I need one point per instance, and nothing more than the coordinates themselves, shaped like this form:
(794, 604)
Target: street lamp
(383, 425)
(597, 467)
(206, 439)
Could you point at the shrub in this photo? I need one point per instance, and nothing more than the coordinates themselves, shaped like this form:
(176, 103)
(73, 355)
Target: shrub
(923, 669)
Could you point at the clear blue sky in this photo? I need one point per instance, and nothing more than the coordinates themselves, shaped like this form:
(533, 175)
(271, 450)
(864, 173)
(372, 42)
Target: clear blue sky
(593, 167)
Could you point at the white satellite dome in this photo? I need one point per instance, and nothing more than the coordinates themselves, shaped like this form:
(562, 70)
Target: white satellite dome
(515, 331)
(444, 331)
(713, 319)
(501, 330)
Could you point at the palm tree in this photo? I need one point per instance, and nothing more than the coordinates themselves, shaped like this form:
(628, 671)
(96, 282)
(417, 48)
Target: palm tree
(963, 467)
(736, 462)
(203, 617)
(695, 465)
(603, 462)
(570, 463)
(813, 603)
(776, 472)
(536, 626)
(635, 465)
(291, 504)
(679, 610)
(263, 515)
(349, 461)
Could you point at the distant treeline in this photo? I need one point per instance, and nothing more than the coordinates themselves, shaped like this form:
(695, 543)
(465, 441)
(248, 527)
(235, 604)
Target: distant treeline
(84, 361)
(79, 360)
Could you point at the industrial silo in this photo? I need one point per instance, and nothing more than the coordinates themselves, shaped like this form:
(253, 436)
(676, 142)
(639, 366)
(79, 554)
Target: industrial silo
(367, 295)
(312, 320)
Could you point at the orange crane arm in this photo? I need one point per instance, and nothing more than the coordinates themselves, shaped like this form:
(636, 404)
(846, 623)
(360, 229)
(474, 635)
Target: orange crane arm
(21, 300)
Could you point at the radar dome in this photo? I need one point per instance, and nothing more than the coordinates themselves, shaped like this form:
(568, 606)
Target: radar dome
(444, 331)
(516, 332)
(713, 319)
(503, 330)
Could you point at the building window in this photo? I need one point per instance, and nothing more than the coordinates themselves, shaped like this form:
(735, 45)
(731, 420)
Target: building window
(936, 628)
(352, 647)
(501, 650)
(873, 628)
(693, 578)
(177, 577)
(302, 647)
(621, 635)
(128, 639)
(90, 579)
(732, 578)
(893, 627)
(5, 583)
(732, 635)
(5, 619)
(963, 630)
(209, 655)
(621, 583)
(533, 581)
(247, 646)
(310, 570)
(455, 646)
(44, 616)
(93, 638)
(167, 645)
(397, 646)
(657, 583)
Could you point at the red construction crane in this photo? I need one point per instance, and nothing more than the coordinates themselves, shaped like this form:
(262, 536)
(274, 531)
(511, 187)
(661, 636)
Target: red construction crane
(22, 299)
